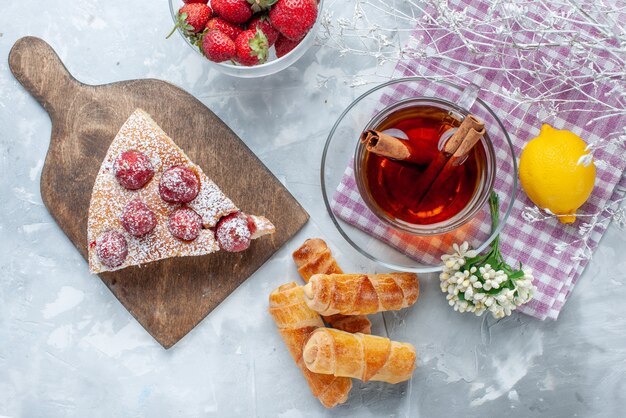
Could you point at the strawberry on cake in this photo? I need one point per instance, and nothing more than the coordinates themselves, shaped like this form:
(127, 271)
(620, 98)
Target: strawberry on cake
(151, 202)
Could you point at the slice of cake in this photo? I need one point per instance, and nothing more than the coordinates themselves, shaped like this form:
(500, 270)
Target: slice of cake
(150, 202)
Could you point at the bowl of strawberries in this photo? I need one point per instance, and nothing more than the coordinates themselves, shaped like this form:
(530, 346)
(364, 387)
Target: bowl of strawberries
(248, 38)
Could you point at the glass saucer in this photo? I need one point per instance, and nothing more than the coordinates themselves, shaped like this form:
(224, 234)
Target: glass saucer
(337, 168)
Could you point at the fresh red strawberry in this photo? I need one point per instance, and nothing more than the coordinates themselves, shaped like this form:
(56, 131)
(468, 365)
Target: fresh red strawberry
(217, 46)
(192, 18)
(294, 18)
(285, 45)
(223, 26)
(233, 11)
(264, 23)
(251, 47)
(195, 1)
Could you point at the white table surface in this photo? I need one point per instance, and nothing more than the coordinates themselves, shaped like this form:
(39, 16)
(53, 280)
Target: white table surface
(69, 348)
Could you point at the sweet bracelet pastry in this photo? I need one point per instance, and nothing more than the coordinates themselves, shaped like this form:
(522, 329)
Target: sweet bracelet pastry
(314, 257)
(295, 322)
(341, 352)
(360, 294)
(151, 202)
(361, 356)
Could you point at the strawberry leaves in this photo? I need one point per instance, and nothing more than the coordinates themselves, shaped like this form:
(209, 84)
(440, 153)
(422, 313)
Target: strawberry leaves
(260, 5)
(259, 46)
(181, 22)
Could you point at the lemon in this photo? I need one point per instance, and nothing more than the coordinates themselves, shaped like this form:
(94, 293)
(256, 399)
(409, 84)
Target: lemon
(551, 175)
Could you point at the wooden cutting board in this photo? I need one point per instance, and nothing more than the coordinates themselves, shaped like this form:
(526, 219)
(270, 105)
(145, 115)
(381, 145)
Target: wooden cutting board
(172, 296)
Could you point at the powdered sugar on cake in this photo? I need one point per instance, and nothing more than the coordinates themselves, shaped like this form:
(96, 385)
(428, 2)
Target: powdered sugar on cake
(211, 204)
(109, 198)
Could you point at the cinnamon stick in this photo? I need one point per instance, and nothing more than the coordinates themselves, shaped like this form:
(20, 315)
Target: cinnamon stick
(454, 161)
(389, 146)
(463, 133)
(460, 143)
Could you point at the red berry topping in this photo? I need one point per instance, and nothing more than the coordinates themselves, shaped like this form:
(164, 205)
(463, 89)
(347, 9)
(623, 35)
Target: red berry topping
(233, 233)
(264, 24)
(284, 46)
(179, 185)
(133, 169)
(217, 46)
(111, 248)
(251, 47)
(138, 219)
(251, 225)
(195, 1)
(233, 11)
(185, 224)
(223, 26)
(294, 18)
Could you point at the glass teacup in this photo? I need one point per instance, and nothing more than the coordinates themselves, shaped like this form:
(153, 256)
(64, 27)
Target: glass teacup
(390, 187)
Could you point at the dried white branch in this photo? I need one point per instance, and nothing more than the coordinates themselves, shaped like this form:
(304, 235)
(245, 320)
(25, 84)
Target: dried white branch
(613, 212)
(590, 30)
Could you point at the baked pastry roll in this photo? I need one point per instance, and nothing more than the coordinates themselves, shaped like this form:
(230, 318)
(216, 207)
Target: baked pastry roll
(362, 356)
(360, 294)
(295, 322)
(314, 257)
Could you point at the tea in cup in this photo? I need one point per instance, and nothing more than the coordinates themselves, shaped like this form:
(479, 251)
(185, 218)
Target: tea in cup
(421, 186)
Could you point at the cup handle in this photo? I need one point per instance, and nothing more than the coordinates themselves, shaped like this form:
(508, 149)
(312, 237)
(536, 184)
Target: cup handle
(468, 96)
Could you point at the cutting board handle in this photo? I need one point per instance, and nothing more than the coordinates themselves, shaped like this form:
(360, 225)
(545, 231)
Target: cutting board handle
(40, 70)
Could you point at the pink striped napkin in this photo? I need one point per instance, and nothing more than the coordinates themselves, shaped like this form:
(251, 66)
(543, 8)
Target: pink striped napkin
(556, 253)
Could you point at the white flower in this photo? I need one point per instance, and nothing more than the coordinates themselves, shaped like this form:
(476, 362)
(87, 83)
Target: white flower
(524, 288)
(481, 288)
(501, 277)
(453, 262)
(464, 251)
(501, 298)
(487, 272)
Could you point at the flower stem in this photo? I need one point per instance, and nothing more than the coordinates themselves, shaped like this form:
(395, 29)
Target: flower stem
(494, 206)
(493, 256)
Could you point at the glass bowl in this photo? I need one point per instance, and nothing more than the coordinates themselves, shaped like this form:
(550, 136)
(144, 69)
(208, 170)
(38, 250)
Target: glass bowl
(347, 208)
(273, 64)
